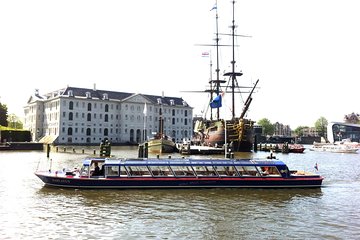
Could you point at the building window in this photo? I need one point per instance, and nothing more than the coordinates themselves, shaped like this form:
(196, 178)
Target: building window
(89, 106)
(88, 132)
(173, 121)
(89, 117)
(186, 113)
(70, 131)
(106, 107)
(106, 118)
(71, 105)
(70, 116)
(106, 132)
(185, 123)
(173, 112)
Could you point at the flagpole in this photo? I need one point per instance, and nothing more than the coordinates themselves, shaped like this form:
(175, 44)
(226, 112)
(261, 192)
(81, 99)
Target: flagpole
(145, 116)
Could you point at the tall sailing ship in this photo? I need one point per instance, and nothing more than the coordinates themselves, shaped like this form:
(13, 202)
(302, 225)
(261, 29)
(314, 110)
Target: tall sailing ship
(236, 132)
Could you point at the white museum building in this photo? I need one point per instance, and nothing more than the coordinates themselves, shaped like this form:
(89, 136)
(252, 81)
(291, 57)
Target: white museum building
(88, 116)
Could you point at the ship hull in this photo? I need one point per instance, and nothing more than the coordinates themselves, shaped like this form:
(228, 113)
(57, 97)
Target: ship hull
(239, 134)
(185, 182)
(161, 146)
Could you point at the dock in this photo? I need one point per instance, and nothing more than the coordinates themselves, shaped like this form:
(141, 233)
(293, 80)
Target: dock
(11, 146)
(187, 149)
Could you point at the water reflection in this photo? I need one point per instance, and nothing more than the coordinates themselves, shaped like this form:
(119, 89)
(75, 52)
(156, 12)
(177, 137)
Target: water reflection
(29, 210)
(219, 211)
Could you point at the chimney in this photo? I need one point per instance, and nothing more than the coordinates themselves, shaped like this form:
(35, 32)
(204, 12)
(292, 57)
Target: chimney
(94, 87)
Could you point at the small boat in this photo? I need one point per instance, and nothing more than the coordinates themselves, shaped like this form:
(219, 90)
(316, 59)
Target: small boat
(345, 146)
(141, 173)
(162, 144)
(281, 147)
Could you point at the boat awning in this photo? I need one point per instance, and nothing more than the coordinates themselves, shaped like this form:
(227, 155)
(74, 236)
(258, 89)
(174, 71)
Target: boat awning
(48, 139)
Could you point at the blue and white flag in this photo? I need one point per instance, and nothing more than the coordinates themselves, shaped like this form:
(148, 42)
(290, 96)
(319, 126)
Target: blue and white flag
(216, 103)
(214, 7)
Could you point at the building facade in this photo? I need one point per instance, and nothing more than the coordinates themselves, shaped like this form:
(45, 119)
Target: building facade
(88, 116)
(282, 130)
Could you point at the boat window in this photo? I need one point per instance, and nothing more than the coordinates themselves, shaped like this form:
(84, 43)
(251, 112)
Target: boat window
(269, 171)
(85, 171)
(160, 171)
(226, 171)
(205, 171)
(123, 171)
(112, 170)
(138, 171)
(183, 171)
(247, 170)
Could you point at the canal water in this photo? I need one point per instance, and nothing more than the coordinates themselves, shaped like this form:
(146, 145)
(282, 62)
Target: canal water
(28, 210)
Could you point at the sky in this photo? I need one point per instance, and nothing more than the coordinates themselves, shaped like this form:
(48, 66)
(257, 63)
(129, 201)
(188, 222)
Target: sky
(305, 53)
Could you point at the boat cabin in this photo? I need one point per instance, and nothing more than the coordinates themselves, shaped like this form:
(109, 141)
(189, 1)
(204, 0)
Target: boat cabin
(115, 168)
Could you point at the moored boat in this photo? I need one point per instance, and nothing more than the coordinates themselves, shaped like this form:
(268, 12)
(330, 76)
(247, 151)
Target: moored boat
(161, 145)
(237, 131)
(180, 173)
(335, 147)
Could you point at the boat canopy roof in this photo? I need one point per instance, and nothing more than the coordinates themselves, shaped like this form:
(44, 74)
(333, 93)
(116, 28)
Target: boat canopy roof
(184, 162)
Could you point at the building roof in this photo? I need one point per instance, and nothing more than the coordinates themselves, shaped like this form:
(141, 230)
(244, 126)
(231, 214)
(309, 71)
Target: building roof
(95, 93)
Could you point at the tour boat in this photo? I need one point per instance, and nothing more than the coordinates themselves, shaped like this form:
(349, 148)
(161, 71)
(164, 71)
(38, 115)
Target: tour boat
(117, 173)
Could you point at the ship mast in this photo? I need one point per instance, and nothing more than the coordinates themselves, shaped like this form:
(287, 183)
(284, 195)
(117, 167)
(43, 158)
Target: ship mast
(217, 82)
(233, 74)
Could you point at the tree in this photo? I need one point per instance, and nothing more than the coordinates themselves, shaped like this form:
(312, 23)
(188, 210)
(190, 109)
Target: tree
(299, 131)
(14, 122)
(268, 127)
(321, 126)
(3, 115)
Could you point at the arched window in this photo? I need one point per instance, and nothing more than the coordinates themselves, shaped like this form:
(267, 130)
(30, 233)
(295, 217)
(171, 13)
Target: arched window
(173, 112)
(132, 135)
(70, 116)
(88, 132)
(89, 117)
(71, 105)
(106, 107)
(106, 132)
(89, 106)
(106, 118)
(138, 135)
(70, 131)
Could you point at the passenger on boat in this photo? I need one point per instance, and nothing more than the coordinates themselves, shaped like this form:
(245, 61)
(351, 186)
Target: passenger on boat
(265, 170)
(96, 171)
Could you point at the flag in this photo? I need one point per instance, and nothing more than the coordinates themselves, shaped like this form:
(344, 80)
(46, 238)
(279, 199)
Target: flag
(214, 7)
(216, 103)
(205, 54)
(316, 167)
(145, 110)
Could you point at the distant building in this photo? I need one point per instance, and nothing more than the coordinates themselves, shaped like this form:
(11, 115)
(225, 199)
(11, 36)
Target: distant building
(282, 130)
(352, 118)
(88, 116)
(309, 132)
